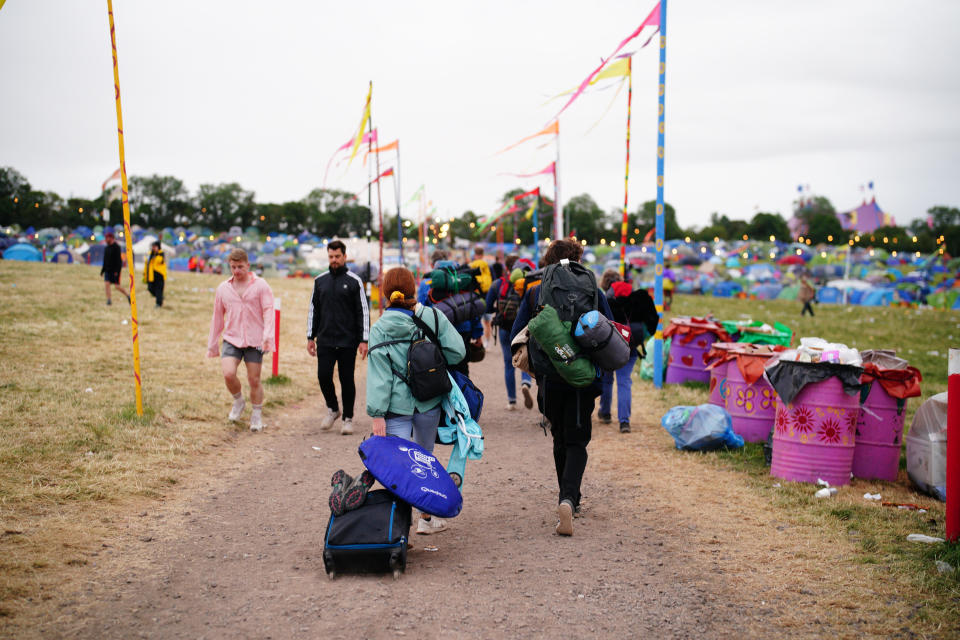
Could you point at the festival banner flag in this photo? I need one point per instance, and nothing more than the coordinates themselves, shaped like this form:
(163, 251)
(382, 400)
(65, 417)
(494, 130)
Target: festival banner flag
(387, 147)
(619, 69)
(652, 20)
(1, 3)
(550, 129)
(546, 170)
(363, 125)
(113, 176)
(388, 172)
(416, 196)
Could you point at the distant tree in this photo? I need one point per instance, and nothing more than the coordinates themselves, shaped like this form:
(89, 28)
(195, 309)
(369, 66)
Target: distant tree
(159, 201)
(764, 225)
(722, 227)
(338, 213)
(13, 191)
(586, 218)
(225, 205)
(944, 217)
(646, 219)
(897, 238)
(823, 226)
(807, 210)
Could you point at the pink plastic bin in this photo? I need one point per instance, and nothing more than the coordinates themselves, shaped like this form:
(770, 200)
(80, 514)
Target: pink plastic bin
(879, 436)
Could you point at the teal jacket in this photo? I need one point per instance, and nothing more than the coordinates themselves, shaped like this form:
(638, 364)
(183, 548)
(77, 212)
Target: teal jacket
(385, 391)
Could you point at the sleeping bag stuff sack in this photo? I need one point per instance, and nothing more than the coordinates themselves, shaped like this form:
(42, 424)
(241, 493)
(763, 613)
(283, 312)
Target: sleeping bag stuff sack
(411, 473)
(553, 336)
(451, 280)
(602, 341)
(483, 276)
(461, 307)
(373, 537)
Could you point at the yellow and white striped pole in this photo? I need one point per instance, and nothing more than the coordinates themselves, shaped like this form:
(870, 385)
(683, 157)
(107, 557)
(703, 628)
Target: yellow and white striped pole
(127, 236)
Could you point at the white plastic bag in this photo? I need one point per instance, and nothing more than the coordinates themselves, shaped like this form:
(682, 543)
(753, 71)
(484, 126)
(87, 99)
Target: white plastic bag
(927, 446)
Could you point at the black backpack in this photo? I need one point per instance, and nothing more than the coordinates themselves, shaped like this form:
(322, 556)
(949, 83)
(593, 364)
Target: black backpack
(507, 306)
(571, 289)
(426, 372)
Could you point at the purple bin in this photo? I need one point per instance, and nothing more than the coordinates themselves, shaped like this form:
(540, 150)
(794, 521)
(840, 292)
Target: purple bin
(814, 436)
(879, 436)
(752, 407)
(718, 384)
(688, 361)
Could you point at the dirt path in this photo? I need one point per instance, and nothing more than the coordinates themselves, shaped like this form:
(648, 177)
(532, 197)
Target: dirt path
(237, 553)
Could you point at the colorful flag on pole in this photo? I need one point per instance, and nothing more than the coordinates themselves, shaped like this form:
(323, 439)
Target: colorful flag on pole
(387, 147)
(416, 195)
(546, 170)
(363, 125)
(653, 20)
(618, 69)
(550, 129)
(113, 176)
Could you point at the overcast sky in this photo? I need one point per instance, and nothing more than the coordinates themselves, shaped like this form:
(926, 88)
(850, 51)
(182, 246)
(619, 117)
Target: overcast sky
(762, 95)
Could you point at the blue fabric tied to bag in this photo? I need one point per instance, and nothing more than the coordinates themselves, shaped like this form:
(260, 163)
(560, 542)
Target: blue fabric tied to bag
(706, 427)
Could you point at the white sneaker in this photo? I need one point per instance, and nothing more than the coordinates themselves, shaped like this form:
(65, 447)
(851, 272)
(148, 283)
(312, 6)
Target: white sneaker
(511, 406)
(346, 428)
(329, 419)
(256, 422)
(565, 518)
(433, 525)
(239, 404)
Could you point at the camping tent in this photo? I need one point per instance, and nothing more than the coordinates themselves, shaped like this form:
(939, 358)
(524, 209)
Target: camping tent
(23, 251)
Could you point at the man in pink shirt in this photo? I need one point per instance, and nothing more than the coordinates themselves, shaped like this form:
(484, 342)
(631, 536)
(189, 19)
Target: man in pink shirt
(243, 313)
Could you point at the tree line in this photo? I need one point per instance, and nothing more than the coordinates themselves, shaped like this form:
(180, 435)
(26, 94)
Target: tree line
(163, 201)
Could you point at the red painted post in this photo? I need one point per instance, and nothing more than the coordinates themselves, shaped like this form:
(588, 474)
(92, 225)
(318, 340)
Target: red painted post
(953, 445)
(276, 337)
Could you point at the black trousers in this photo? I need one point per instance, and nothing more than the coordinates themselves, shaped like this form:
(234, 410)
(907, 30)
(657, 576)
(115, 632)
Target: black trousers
(569, 410)
(156, 288)
(344, 358)
(807, 307)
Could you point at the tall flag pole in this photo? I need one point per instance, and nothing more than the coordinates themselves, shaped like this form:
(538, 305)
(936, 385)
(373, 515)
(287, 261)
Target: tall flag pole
(658, 290)
(536, 228)
(626, 177)
(396, 192)
(379, 207)
(127, 236)
(557, 208)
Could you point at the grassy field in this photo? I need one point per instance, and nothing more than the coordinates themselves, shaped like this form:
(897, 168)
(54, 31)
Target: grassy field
(71, 443)
(74, 456)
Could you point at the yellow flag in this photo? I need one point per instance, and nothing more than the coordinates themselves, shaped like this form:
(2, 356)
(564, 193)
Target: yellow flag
(618, 69)
(1, 3)
(363, 125)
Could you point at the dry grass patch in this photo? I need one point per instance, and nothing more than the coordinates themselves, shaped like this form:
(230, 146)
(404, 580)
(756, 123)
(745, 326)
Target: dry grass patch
(73, 451)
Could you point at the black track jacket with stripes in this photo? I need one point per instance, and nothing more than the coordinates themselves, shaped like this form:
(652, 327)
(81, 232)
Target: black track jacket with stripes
(338, 315)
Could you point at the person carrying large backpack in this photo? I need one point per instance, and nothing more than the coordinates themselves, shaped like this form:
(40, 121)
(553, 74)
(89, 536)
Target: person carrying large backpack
(633, 308)
(568, 290)
(503, 301)
(394, 381)
(470, 330)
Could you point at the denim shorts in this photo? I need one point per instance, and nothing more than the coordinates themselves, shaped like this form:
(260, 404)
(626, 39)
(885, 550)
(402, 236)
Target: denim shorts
(247, 354)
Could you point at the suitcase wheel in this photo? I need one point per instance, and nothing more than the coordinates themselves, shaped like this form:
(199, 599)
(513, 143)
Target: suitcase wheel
(397, 564)
(328, 565)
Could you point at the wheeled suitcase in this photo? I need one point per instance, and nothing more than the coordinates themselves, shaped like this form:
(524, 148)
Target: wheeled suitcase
(371, 538)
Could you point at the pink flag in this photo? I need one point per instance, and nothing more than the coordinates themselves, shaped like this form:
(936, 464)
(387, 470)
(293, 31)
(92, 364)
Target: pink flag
(653, 20)
(113, 176)
(548, 169)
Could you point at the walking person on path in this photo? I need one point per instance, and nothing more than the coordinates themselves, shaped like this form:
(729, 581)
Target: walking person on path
(567, 408)
(471, 331)
(503, 302)
(155, 272)
(112, 265)
(390, 402)
(806, 295)
(338, 327)
(243, 313)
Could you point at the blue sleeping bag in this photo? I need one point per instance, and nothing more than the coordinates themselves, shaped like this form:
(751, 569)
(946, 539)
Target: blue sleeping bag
(411, 473)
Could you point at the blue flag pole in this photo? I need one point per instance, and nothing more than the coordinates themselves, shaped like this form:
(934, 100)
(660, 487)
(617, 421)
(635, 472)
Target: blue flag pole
(658, 287)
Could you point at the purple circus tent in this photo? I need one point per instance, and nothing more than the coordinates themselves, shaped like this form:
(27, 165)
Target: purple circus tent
(865, 218)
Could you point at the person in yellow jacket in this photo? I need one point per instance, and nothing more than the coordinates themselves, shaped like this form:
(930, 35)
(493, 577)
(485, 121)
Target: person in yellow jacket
(155, 272)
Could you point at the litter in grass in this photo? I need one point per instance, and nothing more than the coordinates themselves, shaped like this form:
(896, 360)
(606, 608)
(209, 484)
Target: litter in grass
(826, 492)
(944, 567)
(871, 496)
(88, 390)
(316, 448)
(822, 483)
(919, 537)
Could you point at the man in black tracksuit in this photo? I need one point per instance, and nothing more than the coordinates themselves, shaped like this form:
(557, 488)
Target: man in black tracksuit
(338, 326)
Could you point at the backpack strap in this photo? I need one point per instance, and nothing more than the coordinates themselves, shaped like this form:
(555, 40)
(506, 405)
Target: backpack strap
(430, 333)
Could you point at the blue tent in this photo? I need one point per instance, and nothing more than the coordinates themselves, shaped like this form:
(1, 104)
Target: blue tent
(726, 289)
(63, 256)
(877, 298)
(766, 291)
(956, 304)
(830, 295)
(24, 252)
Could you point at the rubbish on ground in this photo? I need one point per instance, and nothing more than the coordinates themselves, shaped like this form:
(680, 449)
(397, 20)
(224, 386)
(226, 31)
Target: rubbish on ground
(871, 496)
(919, 537)
(88, 390)
(316, 448)
(907, 506)
(826, 492)
(702, 428)
(822, 483)
(944, 567)
(431, 548)
(776, 485)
